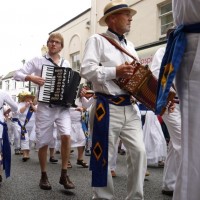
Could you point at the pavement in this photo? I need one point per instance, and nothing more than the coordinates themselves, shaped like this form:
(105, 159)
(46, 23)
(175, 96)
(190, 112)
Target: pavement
(24, 181)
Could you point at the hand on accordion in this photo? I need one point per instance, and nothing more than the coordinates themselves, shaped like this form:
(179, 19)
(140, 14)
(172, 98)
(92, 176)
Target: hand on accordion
(170, 107)
(35, 79)
(124, 71)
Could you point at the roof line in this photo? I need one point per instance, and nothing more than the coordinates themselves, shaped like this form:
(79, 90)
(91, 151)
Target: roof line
(71, 20)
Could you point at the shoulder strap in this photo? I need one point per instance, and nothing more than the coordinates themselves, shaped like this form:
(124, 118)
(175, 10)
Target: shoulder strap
(114, 43)
(54, 62)
(62, 62)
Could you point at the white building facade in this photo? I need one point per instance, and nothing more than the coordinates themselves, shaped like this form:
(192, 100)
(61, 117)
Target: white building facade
(148, 33)
(148, 30)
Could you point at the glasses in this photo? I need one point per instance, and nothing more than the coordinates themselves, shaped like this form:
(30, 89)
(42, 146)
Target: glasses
(54, 41)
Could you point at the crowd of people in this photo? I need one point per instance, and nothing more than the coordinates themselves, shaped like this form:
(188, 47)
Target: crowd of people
(106, 117)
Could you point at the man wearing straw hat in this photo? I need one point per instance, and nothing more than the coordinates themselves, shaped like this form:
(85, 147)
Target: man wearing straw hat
(114, 116)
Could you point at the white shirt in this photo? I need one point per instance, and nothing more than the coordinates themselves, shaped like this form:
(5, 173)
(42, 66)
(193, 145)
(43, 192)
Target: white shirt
(22, 116)
(99, 51)
(156, 62)
(34, 66)
(186, 11)
(87, 102)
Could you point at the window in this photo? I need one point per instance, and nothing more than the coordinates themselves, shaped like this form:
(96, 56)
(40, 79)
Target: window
(166, 17)
(13, 84)
(76, 61)
(7, 83)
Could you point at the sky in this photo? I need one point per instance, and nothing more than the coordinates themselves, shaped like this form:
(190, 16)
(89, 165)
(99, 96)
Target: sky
(25, 25)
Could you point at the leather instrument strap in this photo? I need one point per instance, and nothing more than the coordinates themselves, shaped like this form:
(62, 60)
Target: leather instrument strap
(113, 42)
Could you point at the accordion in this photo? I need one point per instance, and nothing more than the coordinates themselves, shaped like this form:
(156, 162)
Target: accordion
(143, 86)
(60, 87)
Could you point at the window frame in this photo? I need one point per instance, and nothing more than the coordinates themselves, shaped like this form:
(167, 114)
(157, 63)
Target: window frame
(165, 26)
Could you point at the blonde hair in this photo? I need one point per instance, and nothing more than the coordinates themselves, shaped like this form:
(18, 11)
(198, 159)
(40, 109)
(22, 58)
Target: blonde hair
(58, 36)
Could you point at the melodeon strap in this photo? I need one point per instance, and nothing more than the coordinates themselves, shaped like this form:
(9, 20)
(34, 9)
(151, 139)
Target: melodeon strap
(114, 43)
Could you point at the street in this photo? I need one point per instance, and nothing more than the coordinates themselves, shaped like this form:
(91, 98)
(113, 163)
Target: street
(24, 181)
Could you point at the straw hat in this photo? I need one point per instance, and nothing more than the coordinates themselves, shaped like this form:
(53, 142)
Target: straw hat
(24, 94)
(89, 92)
(113, 7)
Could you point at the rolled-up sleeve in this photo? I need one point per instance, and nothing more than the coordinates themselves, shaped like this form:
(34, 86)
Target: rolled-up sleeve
(13, 105)
(27, 69)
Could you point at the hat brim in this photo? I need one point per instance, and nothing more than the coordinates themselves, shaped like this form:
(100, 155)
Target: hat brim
(102, 20)
(23, 97)
(89, 92)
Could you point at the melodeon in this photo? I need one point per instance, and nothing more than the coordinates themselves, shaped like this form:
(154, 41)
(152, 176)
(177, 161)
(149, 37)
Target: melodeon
(143, 86)
(60, 87)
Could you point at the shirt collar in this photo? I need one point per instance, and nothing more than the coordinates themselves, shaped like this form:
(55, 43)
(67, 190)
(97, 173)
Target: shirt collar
(120, 37)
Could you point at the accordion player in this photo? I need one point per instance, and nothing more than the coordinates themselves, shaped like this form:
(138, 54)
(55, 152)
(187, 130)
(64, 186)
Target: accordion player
(60, 87)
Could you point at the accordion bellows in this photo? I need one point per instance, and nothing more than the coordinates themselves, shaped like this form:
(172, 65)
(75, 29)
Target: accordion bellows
(143, 86)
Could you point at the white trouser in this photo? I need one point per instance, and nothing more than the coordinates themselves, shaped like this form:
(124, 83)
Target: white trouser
(125, 123)
(188, 83)
(172, 162)
(17, 132)
(113, 160)
(26, 144)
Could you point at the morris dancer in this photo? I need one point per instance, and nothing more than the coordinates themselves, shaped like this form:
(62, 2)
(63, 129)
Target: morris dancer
(27, 111)
(113, 113)
(173, 123)
(186, 15)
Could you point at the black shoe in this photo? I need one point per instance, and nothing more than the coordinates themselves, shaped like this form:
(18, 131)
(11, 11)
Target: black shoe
(0, 178)
(24, 159)
(72, 151)
(168, 193)
(122, 152)
(87, 153)
(53, 160)
(17, 152)
(44, 184)
(82, 163)
(66, 182)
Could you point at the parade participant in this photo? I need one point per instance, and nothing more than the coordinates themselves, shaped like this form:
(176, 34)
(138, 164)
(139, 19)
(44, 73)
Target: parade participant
(155, 143)
(27, 111)
(46, 115)
(16, 129)
(78, 138)
(8, 120)
(187, 19)
(79, 118)
(115, 116)
(87, 99)
(5, 151)
(173, 123)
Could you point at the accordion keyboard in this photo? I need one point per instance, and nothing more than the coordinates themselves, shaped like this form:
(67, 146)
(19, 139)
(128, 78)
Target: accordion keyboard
(48, 87)
(61, 85)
